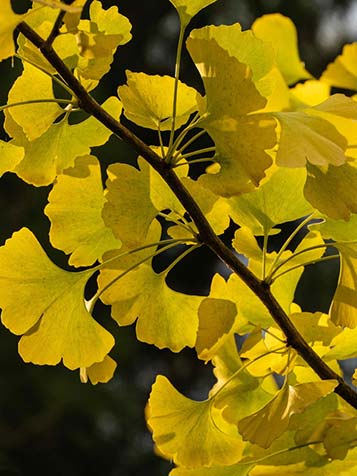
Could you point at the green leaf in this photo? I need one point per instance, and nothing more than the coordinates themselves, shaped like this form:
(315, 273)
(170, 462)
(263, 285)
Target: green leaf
(188, 432)
(77, 226)
(342, 180)
(262, 209)
(56, 150)
(10, 156)
(56, 324)
(147, 101)
(35, 119)
(267, 424)
(339, 230)
(342, 73)
(241, 469)
(343, 311)
(187, 9)
(281, 32)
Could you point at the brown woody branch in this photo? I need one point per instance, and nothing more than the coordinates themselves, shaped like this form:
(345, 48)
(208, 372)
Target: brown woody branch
(206, 233)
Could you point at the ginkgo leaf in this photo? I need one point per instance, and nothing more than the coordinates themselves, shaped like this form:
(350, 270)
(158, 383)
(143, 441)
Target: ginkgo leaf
(339, 230)
(216, 320)
(34, 119)
(309, 93)
(187, 9)
(267, 424)
(145, 104)
(8, 22)
(281, 32)
(240, 469)
(77, 226)
(170, 320)
(341, 435)
(343, 311)
(342, 180)
(58, 4)
(278, 200)
(102, 372)
(56, 325)
(241, 138)
(342, 73)
(315, 327)
(304, 137)
(190, 433)
(134, 198)
(48, 155)
(10, 156)
(98, 39)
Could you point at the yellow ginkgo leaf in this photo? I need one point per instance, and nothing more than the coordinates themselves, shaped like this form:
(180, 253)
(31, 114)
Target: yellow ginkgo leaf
(342, 73)
(10, 156)
(240, 469)
(187, 9)
(48, 155)
(309, 93)
(343, 310)
(58, 4)
(342, 180)
(190, 433)
(77, 226)
(339, 230)
(281, 32)
(278, 200)
(145, 104)
(8, 22)
(34, 119)
(267, 424)
(101, 372)
(304, 137)
(56, 325)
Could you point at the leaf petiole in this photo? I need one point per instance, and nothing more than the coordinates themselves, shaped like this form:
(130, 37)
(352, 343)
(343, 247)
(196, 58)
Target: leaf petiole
(35, 101)
(315, 261)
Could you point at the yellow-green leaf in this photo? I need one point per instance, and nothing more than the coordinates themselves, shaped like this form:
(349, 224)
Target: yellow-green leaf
(342, 73)
(278, 200)
(34, 119)
(46, 304)
(343, 310)
(190, 433)
(342, 180)
(267, 424)
(8, 22)
(187, 9)
(58, 4)
(48, 155)
(281, 32)
(10, 156)
(240, 469)
(148, 101)
(77, 226)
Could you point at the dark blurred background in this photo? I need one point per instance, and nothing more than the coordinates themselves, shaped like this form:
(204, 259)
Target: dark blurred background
(52, 424)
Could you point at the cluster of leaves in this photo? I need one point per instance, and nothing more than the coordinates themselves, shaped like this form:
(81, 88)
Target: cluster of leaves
(284, 149)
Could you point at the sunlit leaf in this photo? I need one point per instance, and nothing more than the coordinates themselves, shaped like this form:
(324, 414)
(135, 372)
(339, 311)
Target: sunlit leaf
(190, 433)
(58, 4)
(339, 230)
(145, 104)
(77, 225)
(102, 372)
(48, 155)
(232, 470)
(343, 310)
(309, 93)
(187, 9)
(34, 119)
(56, 325)
(170, 320)
(342, 180)
(281, 32)
(342, 73)
(8, 22)
(267, 424)
(278, 200)
(10, 156)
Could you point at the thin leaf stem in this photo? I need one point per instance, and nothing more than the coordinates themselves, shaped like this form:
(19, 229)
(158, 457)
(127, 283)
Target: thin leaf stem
(265, 251)
(35, 101)
(177, 76)
(287, 243)
(192, 125)
(177, 222)
(189, 142)
(197, 152)
(179, 258)
(196, 161)
(161, 142)
(94, 299)
(319, 260)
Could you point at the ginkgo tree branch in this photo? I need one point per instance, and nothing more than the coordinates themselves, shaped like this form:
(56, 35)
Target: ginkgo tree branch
(206, 234)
